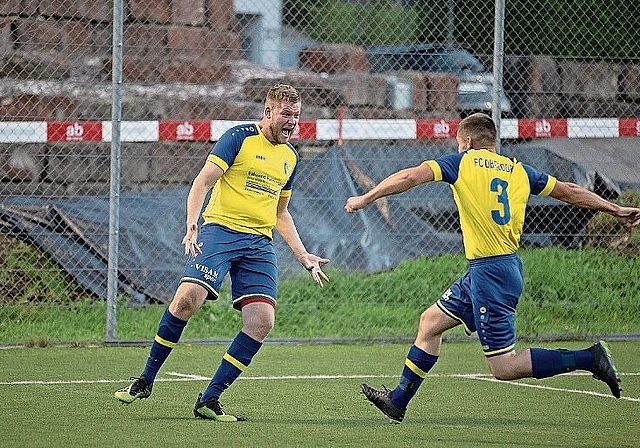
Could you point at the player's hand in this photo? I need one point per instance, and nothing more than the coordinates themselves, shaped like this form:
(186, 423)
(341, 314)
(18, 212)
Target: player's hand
(312, 264)
(628, 216)
(354, 204)
(190, 241)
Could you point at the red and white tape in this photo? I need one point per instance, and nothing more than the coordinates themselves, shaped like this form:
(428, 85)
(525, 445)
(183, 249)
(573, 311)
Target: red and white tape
(323, 129)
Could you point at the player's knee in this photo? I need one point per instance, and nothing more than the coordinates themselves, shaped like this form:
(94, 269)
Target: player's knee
(428, 323)
(184, 307)
(266, 327)
(425, 321)
(186, 302)
(501, 371)
(259, 329)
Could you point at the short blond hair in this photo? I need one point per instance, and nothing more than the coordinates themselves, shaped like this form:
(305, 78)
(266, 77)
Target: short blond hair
(282, 93)
(480, 127)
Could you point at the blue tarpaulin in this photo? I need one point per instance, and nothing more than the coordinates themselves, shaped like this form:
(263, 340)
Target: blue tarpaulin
(74, 231)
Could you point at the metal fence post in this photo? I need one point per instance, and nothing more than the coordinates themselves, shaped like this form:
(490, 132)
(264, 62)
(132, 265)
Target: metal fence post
(498, 58)
(114, 189)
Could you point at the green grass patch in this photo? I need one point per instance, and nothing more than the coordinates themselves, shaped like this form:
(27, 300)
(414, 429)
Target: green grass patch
(568, 294)
(308, 395)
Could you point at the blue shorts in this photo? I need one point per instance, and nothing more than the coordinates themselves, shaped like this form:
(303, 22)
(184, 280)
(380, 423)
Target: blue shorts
(485, 299)
(249, 259)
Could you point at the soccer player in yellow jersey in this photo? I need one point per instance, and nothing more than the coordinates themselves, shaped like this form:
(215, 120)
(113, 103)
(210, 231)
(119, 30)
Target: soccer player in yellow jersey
(251, 169)
(491, 192)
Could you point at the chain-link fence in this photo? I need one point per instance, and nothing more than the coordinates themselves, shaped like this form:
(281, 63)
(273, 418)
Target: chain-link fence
(384, 84)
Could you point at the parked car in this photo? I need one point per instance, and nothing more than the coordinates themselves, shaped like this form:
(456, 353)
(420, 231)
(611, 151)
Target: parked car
(475, 81)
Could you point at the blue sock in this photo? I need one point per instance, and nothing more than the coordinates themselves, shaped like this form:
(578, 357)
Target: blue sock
(416, 366)
(169, 332)
(546, 363)
(234, 362)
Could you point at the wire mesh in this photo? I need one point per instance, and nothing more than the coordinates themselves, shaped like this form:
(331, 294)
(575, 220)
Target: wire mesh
(392, 75)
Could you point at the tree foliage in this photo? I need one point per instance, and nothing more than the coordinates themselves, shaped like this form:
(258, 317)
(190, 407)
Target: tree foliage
(564, 28)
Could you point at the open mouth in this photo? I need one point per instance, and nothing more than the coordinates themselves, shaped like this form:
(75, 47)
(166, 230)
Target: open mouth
(287, 132)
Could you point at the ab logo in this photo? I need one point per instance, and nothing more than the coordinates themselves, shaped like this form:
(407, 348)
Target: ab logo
(184, 131)
(543, 128)
(75, 132)
(441, 129)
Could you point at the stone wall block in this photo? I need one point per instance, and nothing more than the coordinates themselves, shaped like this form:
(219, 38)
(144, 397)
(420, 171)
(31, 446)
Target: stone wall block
(221, 15)
(29, 107)
(334, 58)
(443, 91)
(589, 79)
(188, 12)
(544, 75)
(10, 7)
(358, 89)
(21, 163)
(144, 39)
(176, 162)
(629, 82)
(7, 42)
(158, 11)
(78, 162)
(98, 10)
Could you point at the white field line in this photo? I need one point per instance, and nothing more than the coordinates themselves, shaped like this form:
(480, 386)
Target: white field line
(540, 386)
(180, 377)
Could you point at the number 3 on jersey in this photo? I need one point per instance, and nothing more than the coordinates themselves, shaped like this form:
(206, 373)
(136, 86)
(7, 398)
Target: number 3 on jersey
(500, 186)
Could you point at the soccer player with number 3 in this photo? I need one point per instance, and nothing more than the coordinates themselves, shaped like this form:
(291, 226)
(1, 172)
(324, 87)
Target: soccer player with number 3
(491, 192)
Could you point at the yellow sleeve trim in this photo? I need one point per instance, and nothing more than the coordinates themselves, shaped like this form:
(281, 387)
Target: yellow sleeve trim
(285, 193)
(437, 172)
(218, 161)
(551, 183)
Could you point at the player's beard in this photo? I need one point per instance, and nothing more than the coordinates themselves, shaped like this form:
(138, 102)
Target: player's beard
(278, 135)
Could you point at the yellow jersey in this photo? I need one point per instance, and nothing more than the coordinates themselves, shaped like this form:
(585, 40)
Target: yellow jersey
(256, 173)
(491, 192)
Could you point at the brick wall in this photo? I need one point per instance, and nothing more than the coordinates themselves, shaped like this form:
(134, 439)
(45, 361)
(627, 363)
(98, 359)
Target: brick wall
(71, 31)
(68, 169)
(183, 60)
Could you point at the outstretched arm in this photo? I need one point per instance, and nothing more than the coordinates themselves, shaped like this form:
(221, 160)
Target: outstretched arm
(287, 229)
(581, 197)
(398, 182)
